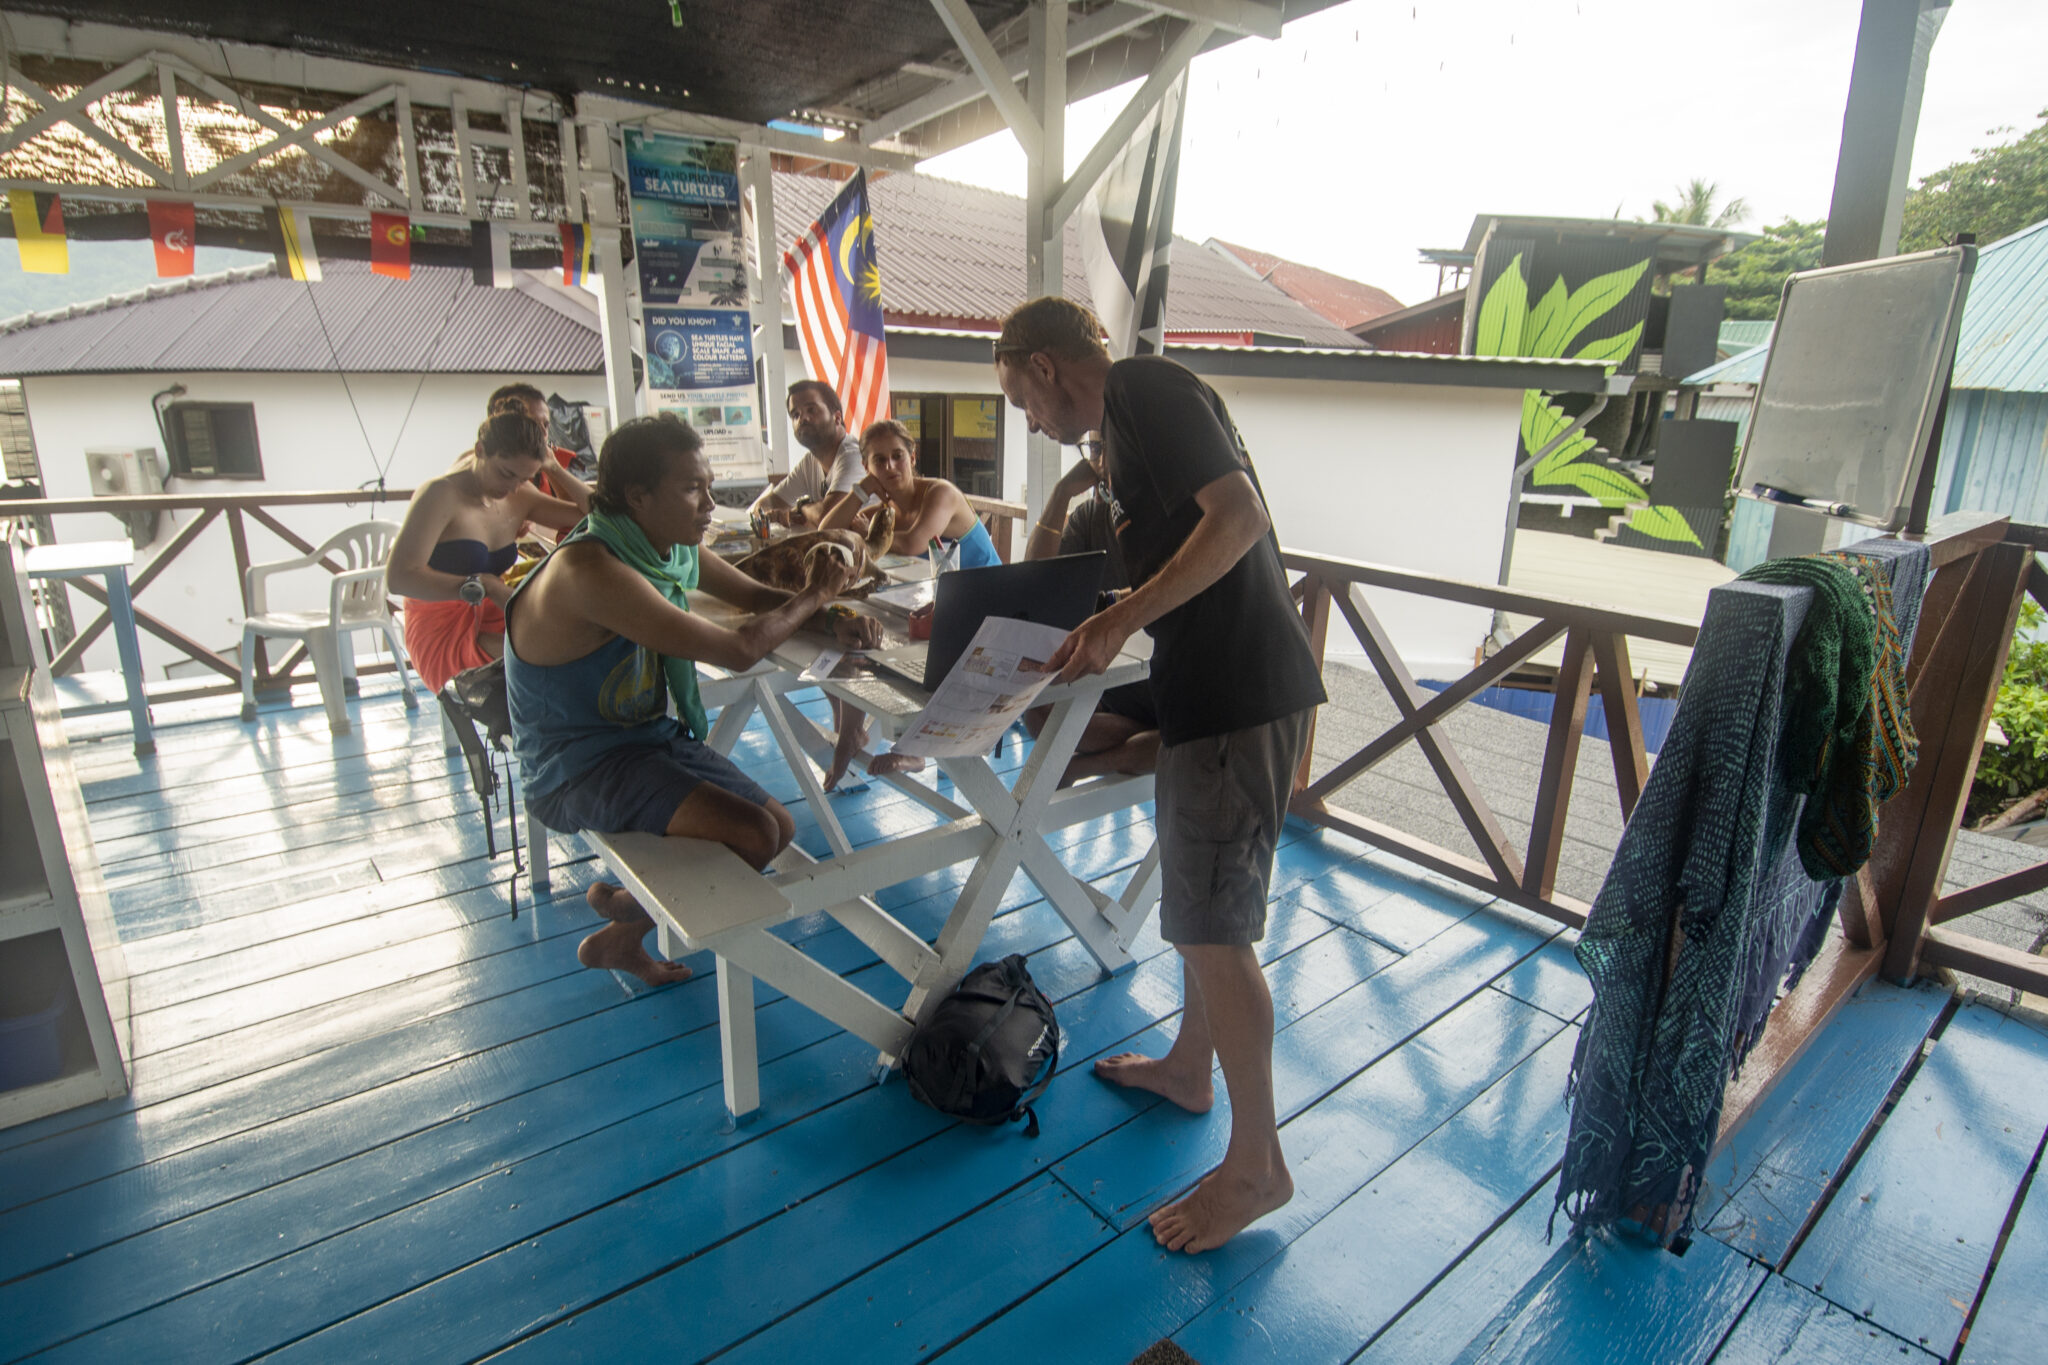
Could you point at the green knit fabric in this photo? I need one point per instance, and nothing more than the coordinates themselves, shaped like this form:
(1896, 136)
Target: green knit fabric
(1848, 743)
(672, 575)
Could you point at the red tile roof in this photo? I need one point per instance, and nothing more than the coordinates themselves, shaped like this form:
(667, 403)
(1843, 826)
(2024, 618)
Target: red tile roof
(952, 255)
(1342, 301)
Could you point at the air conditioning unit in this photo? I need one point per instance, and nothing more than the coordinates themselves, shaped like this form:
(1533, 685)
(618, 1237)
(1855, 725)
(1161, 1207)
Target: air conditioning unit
(128, 474)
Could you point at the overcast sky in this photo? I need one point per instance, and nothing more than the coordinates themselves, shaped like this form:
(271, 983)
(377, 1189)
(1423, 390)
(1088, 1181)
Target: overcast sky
(1380, 126)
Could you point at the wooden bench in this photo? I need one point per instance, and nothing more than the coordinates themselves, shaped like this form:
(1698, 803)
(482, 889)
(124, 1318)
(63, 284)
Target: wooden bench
(704, 897)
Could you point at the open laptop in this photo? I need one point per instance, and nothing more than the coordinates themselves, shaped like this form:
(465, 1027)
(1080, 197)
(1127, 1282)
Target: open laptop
(1055, 592)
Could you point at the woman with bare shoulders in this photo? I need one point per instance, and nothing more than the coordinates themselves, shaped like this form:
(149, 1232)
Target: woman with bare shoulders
(926, 509)
(458, 541)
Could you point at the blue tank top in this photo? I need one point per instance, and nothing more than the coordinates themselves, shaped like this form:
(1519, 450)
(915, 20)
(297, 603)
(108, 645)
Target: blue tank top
(977, 549)
(567, 716)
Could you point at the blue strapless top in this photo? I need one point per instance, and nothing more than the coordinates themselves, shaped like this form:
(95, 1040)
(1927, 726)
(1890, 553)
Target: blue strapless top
(471, 556)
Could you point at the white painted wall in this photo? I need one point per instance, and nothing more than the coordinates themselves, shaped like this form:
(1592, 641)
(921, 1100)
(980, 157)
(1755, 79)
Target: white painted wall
(1413, 476)
(314, 433)
(1406, 475)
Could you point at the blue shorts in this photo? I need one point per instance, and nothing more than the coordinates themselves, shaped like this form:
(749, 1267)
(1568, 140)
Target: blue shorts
(636, 788)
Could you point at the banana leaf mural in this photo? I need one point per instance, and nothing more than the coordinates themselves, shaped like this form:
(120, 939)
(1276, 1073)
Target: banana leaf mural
(1586, 320)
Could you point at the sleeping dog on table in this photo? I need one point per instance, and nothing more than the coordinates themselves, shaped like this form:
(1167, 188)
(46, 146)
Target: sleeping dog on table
(786, 564)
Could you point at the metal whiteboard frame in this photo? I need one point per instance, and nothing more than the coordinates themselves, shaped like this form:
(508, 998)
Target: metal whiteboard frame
(1926, 425)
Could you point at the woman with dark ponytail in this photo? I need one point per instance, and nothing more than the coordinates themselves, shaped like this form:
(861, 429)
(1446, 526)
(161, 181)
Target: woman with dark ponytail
(457, 541)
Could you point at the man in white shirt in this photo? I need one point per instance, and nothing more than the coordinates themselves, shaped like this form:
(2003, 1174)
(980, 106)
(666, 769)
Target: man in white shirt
(830, 468)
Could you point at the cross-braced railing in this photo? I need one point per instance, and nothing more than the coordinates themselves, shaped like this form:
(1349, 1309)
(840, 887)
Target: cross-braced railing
(233, 510)
(1596, 658)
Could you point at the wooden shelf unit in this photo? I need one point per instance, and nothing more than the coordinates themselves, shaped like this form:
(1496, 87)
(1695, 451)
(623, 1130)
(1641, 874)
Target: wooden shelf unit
(55, 918)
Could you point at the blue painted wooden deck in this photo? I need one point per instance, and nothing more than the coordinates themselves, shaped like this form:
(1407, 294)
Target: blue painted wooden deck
(377, 1118)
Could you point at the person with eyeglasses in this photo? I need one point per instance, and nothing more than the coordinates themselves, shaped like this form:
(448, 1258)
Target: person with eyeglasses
(1123, 734)
(1236, 686)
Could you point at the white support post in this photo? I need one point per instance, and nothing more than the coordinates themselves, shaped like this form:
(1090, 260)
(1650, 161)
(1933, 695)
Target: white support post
(757, 178)
(614, 324)
(1044, 256)
(174, 126)
(515, 129)
(409, 151)
(465, 156)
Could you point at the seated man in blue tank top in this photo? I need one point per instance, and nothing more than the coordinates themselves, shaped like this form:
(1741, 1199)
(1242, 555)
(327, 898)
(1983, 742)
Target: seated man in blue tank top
(599, 639)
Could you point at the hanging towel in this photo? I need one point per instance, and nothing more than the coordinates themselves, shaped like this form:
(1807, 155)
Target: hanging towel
(1849, 738)
(1707, 910)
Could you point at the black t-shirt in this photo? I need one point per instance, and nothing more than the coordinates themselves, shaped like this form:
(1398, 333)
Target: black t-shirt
(1235, 655)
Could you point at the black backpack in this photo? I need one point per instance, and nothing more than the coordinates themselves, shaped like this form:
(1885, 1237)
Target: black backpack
(988, 1050)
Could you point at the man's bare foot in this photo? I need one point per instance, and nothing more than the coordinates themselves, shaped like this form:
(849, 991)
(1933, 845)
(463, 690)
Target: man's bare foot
(616, 904)
(1224, 1204)
(1196, 1094)
(617, 948)
(881, 765)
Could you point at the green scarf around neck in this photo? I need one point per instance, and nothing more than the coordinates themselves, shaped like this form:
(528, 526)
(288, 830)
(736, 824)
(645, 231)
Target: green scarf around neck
(672, 576)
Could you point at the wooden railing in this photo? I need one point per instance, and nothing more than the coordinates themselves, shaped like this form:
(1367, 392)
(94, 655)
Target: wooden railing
(1889, 916)
(234, 512)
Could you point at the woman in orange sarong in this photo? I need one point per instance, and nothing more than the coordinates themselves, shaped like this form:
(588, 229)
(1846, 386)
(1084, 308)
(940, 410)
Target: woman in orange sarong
(458, 541)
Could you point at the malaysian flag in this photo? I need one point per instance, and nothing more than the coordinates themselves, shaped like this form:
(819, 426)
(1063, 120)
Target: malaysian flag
(838, 291)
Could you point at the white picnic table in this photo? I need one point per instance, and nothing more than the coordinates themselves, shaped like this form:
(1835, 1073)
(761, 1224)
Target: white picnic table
(702, 896)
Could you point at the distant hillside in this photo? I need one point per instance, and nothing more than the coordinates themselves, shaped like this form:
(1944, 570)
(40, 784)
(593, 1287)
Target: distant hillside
(97, 270)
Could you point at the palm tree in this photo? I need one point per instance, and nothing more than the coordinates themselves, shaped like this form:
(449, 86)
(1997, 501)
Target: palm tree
(1695, 205)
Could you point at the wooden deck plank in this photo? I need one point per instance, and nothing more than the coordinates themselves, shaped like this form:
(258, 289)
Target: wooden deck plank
(1477, 1289)
(443, 1030)
(1617, 1299)
(1759, 1190)
(1344, 1279)
(2011, 1327)
(504, 1292)
(1141, 1167)
(1786, 1323)
(1907, 1239)
(671, 1041)
(1334, 1149)
(916, 1307)
(519, 1153)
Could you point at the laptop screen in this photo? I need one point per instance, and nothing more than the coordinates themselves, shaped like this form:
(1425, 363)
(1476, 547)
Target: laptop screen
(1056, 592)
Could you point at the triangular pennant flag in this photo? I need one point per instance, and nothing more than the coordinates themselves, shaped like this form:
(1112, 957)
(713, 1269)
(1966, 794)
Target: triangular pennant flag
(391, 245)
(297, 257)
(490, 253)
(576, 253)
(39, 231)
(172, 234)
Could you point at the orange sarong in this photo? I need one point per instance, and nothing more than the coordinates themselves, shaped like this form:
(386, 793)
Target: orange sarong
(441, 637)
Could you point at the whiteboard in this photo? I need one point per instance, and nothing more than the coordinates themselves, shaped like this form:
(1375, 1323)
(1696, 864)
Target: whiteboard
(1858, 360)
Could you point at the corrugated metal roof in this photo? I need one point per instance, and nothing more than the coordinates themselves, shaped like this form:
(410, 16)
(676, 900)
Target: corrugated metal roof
(953, 252)
(1747, 368)
(1335, 298)
(1739, 334)
(2004, 341)
(439, 322)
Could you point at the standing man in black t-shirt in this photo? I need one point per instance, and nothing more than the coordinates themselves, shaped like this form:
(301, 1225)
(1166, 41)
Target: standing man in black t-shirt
(1235, 685)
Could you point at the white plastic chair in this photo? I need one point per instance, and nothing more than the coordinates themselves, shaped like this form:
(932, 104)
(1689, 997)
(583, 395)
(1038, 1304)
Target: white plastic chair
(356, 601)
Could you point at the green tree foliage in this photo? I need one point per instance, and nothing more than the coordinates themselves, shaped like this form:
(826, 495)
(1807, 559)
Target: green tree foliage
(1994, 194)
(2019, 766)
(1755, 274)
(1695, 204)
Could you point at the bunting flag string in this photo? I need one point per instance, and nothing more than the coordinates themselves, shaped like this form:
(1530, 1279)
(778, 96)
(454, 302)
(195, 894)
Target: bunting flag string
(39, 232)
